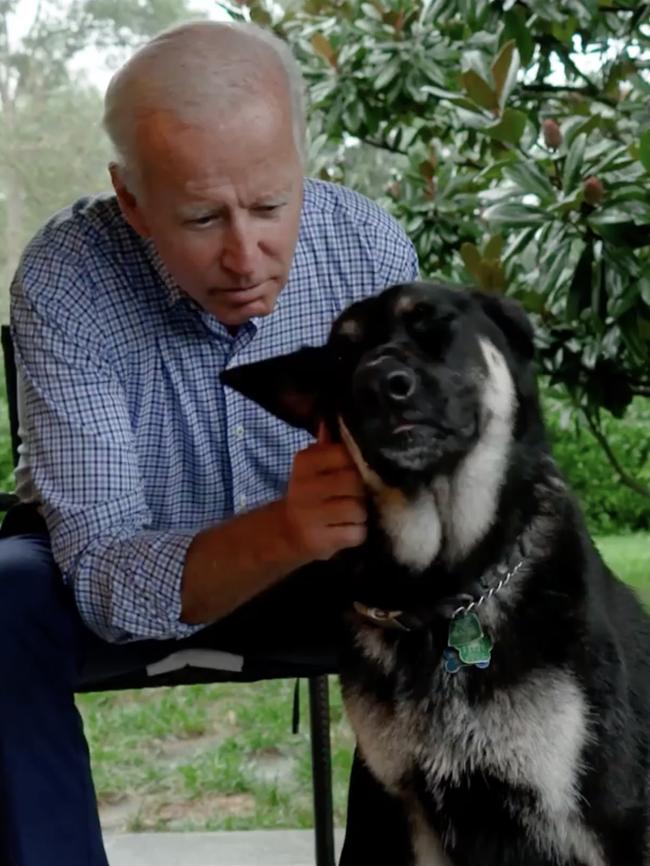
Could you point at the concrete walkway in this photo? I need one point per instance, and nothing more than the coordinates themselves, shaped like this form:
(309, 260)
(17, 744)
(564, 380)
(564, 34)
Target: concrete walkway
(249, 848)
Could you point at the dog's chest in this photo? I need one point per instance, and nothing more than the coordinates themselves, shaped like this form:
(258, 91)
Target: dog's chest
(530, 737)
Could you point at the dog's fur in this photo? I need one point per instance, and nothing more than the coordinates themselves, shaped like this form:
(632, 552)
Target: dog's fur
(542, 758)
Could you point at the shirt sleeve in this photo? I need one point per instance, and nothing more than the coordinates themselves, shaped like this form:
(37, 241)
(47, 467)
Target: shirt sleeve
(79, 438)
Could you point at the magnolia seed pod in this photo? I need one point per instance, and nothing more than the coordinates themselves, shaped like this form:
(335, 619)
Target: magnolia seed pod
(552, 134)
(593, 190)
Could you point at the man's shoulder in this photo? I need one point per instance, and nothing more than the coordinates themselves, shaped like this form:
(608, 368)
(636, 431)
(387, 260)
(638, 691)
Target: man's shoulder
(86, 226)
(342, 207)
(86, 251)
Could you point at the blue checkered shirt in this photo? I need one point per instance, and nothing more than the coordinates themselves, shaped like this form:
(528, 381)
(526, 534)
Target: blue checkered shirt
(131, 445)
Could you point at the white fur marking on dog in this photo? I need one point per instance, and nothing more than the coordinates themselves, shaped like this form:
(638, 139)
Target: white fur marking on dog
(476, 483)
(373, 646)
(350, 328)
(530, 736)
(427, 848)
(384, 741)
(412, 525)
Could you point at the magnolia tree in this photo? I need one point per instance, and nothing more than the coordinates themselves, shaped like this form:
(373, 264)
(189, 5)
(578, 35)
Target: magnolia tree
(512, 140)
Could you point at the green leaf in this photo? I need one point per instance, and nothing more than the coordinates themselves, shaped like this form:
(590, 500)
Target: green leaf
(471, 258)
(573, 163)
(479, 90)
(493, 248)
(621, 234)
(644, 149)
(510, 128)
(387, 75)
(513, 214)
(530, 177)
(516, 28)
(564, 30)
(579, 293)
(504, 71)
(370, 11)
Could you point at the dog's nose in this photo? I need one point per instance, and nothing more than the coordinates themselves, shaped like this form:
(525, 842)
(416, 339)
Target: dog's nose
(387, 379)
(400, 384)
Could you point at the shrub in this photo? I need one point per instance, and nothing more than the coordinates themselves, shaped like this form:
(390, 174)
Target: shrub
(609, 505)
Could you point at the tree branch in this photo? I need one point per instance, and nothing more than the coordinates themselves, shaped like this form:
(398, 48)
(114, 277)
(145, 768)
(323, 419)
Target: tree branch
(568, 61)
(383, 145)
(618, 9)
(624, 478)
(544, 89)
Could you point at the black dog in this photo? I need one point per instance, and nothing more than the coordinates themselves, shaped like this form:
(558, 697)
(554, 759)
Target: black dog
(497, 675)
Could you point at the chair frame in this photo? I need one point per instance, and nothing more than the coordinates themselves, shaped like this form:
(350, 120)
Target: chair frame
(277, 669)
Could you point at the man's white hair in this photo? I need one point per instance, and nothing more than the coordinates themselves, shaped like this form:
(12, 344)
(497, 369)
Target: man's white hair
(195, 71)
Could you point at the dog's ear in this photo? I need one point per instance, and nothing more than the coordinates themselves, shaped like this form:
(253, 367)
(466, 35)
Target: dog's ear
(510, 317)
(288, 386)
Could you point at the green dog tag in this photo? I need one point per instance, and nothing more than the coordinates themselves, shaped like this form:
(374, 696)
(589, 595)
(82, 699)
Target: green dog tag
(476, 652)
(464, 629)
(467, 638)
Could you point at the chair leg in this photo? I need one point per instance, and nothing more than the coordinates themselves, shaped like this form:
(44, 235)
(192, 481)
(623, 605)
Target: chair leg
(321, 757)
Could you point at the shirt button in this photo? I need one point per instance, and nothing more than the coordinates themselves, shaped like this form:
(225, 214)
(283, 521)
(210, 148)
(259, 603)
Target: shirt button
(239, 431)
(242, 501)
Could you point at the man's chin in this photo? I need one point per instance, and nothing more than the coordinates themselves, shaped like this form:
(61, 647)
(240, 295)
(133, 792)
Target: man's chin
(233, 315)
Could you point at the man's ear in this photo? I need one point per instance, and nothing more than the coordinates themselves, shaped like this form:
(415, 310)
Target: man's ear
(510, 317)
(129, 205)
(288, 386)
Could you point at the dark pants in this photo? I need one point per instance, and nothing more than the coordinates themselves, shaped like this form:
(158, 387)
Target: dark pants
(48, 811)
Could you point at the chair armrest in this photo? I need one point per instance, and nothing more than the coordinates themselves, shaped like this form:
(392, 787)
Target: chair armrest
(7, 500)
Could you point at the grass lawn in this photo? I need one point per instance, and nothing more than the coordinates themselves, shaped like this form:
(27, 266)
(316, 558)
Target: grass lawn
(629, 557)
(223, 756)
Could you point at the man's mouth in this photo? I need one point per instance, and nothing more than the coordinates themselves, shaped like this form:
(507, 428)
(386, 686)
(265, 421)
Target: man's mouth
(238, 294)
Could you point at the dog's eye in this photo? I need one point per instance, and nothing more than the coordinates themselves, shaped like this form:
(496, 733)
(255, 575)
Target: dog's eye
(427, 324)
(418, 318)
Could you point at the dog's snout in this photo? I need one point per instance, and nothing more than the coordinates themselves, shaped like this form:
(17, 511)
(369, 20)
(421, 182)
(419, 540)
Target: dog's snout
(387, 378)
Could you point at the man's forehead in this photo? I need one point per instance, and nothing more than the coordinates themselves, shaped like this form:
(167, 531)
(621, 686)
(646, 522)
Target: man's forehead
(206, 162)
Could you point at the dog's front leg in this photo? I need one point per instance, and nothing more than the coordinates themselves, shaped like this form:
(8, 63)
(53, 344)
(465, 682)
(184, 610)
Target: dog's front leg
(377, 831)
(425, 843)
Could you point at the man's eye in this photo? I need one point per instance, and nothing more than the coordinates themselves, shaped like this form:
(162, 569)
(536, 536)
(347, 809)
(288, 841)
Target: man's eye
(202, 221)
(266, 208)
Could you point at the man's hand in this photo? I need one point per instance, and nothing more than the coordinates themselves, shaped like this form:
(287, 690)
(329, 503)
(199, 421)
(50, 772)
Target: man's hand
(323, 512)
(324, 507)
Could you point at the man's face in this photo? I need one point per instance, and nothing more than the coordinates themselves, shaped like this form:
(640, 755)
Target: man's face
(221, 203)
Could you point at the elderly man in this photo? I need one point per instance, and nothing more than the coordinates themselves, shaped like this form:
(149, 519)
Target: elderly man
(157, 505)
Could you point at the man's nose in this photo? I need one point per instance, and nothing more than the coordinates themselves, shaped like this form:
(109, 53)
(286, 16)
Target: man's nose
(240, 250)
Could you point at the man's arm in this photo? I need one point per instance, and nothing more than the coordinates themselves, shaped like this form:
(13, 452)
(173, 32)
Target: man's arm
(131, 580)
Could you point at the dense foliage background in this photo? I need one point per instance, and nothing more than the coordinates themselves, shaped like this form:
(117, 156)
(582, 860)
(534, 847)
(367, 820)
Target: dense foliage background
(510, 138)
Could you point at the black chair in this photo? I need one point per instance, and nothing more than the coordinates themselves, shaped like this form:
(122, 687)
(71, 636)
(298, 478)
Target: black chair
(314, 669)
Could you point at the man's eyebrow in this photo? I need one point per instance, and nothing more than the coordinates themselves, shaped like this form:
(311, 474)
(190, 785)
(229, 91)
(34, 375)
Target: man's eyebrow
(201, 209)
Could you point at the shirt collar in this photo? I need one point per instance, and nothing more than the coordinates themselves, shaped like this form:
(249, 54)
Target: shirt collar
(173, 292)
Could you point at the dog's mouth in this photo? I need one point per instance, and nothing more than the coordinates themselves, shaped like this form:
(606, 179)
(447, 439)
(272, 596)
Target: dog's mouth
(414, 446)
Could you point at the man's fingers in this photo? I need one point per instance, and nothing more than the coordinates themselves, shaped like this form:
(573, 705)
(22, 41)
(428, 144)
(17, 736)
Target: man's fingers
(314, 489)
(344, 511)
(323, 457)
(323, 435)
